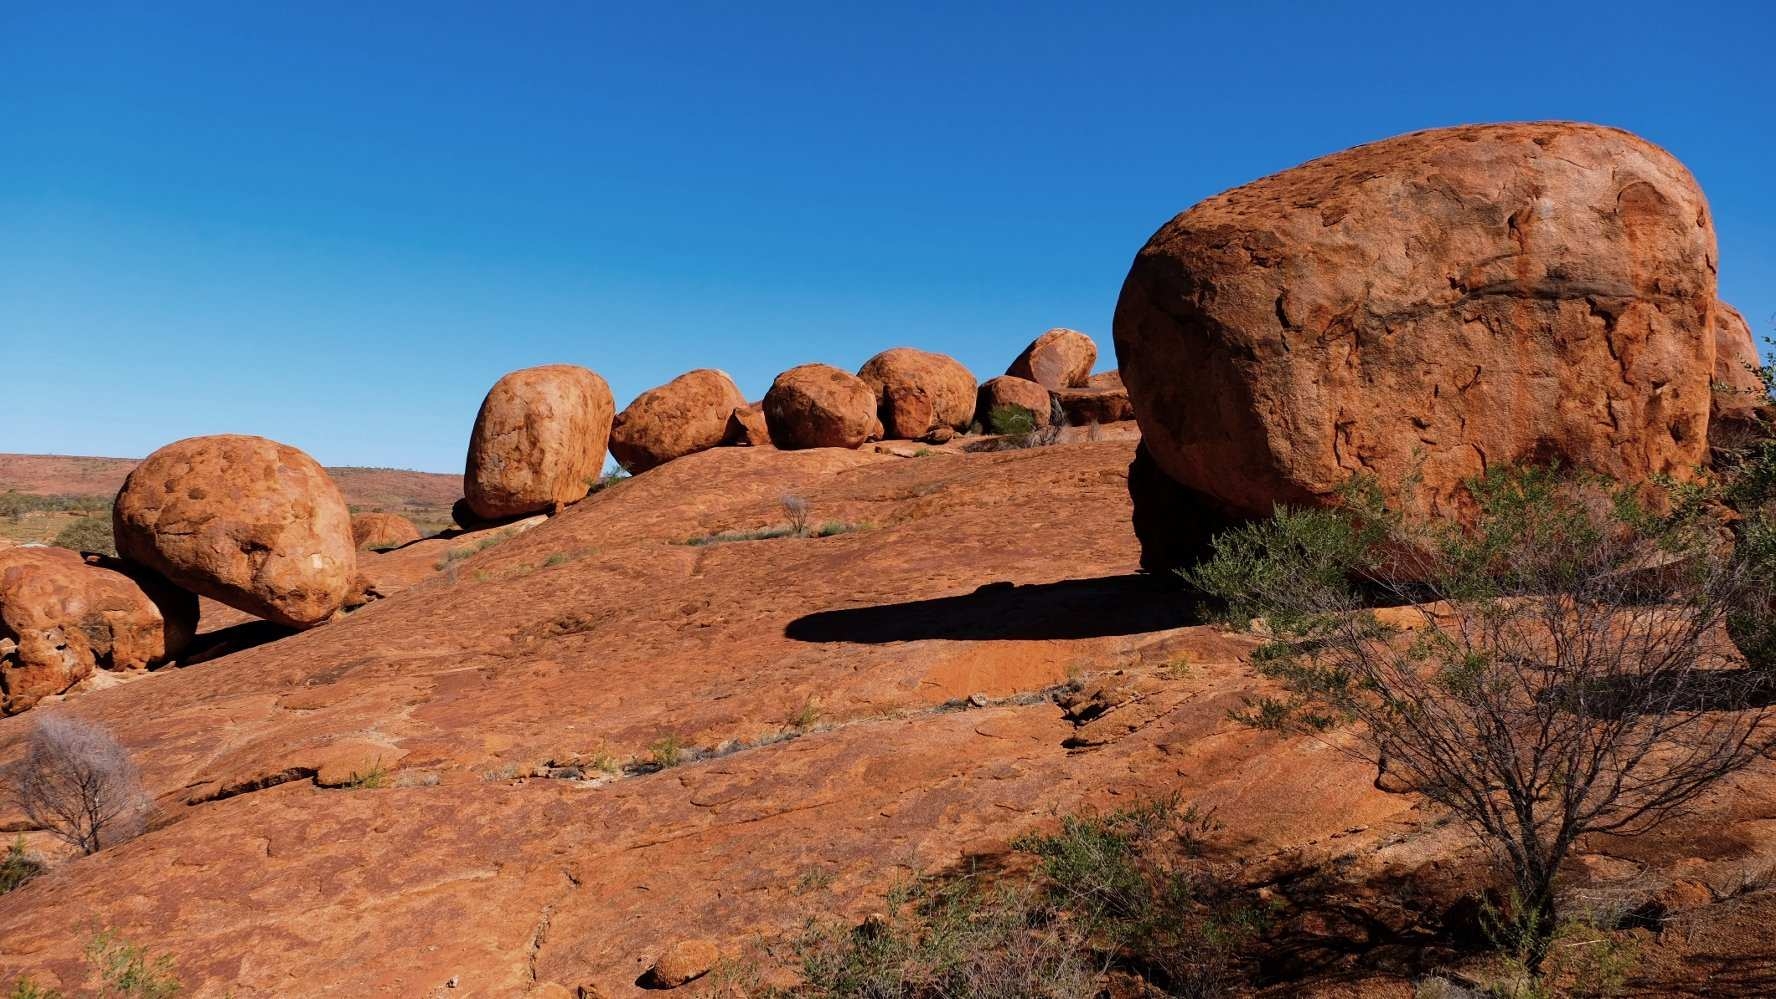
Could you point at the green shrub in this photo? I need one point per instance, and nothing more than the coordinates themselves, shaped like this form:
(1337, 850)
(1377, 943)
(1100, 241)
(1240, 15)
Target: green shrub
(17, 866)
(1011, 419)
(88, 534)
(127, 971)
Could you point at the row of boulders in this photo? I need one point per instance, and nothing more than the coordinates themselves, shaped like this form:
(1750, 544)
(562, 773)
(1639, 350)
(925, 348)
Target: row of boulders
(1419, 309)
(542, 433)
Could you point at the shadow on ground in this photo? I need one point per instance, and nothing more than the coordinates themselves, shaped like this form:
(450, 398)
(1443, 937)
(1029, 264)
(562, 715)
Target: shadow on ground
(1071, 608)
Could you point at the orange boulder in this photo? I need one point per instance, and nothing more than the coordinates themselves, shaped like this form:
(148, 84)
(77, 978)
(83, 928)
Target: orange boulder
(1427, 306)
(746, 427)
(1060, 358)
(1010, 390)
(818, 405)
(538, 442)
(382, 530)
(243, 520)
(62, 617)
(686, 415)
(901, 374)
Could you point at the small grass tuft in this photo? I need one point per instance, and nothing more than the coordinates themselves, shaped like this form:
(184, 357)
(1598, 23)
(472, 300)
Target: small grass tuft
(804, 717)
(17, 866)
(375, 777)
(668, 751)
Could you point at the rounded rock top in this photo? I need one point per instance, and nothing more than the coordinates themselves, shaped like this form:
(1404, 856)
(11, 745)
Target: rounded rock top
(539, 441)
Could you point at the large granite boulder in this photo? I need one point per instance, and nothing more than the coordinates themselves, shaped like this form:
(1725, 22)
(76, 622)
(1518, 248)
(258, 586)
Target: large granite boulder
(686, 415)
(539, 441)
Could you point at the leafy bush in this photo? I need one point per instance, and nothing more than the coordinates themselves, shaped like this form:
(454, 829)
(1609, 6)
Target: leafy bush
(17, 866)
(1011, 419)
(88, 534)
(1551, 670)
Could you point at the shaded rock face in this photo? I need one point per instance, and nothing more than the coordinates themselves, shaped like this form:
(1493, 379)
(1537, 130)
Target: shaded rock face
(746, 427)
(538, 442)
(1010, 390)
(1172, 523)
(901, 373)
(62, 617)
(246, 521)
(1060, 358)
(1738, 391)
(382, 530)
(1432, 303)
(686, 415)
(818, 405)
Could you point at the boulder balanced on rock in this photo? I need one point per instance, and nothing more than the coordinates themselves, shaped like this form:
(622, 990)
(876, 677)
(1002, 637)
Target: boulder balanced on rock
(1058, 359)
(818, 405)
(1427, 305)
(249, 522)
(901, 376)
(62, 617)
(686, 415)
(539, 441)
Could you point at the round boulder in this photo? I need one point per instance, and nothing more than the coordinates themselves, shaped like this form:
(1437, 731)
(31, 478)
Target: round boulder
(686, 415)
(538, 442)
(1738, 391)
(383, 530)
(902, 373)
(818, 405)
(1010, 390)
(246, 521)
(1058, 359)
(61, 617)
(1422, 308)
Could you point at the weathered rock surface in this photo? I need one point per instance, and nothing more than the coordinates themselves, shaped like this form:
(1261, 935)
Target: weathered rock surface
(246, 521)
(489, 689)
(747, 427)
(1111, 379)
(1738, 391)
(62, 617)
(818, 405)
(901, 374)
(1060, 358)
(539, 441)
(684, 961)
(686, 415)
(1010, 390)
(1431, 303)
(382, 530)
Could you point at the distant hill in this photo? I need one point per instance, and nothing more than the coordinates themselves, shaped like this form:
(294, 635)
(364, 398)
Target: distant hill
(391, 489)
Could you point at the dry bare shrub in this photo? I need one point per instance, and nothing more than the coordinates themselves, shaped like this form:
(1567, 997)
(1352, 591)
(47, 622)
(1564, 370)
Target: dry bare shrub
(1558, 668)
(76, 782)
(796, 510)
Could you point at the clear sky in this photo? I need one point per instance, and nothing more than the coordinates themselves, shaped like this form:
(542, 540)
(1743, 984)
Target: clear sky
(337, 224)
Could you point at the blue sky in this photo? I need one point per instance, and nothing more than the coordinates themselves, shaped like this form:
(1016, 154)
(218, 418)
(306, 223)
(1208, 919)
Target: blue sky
(336, 226)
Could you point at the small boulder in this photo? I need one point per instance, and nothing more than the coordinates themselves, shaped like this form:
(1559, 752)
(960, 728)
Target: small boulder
(818, 405)
(1010, 390)
(686, 415)
(383, 530)
(902, 372)
(1738, 391)
(684, 961)
(1095, 405)
(62, 617)
(746, 427)
(539, 441)
(1058, 359)
(243, 520)
(1111, 379)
